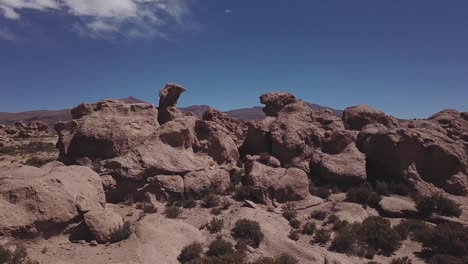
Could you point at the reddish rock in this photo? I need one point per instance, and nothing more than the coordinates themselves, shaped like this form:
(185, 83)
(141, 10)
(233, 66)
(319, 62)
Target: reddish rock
(266, 183)
(111, 130)
(103, 223)
(454, 123)
(357, 117)
(236, 128)
(168, 97)
(275, 101)
(414, 153)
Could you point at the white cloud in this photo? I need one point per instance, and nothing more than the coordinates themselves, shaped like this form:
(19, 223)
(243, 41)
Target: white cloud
(108, 18)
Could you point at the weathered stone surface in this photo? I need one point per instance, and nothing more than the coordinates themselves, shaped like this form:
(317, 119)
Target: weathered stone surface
(237, 129)
(275, 101)
(168, 185)
(415, 154)
(397, 207)
(454, 123)
(168, 97)
(266, 183)
(357, 117)
(196, 182)
(110, 130)
(102, 223)
(347, 167)
(258, 137)
(46, 199)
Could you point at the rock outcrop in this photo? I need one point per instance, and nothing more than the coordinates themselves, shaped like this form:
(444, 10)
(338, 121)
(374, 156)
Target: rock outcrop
(33, 129)
(103, 223)
(236, 128)
(414, 154)
(357, 117)
(44, 200)
(267, 183)
(105, 130)
(168, 97)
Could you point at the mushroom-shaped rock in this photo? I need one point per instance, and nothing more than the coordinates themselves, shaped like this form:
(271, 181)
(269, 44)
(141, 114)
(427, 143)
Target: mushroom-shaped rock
(103, 223)
(168, 97)
(275, 101)
(357, 117)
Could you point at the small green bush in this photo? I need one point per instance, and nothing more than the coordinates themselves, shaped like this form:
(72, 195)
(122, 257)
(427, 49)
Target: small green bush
(403, 260)
(289, 212)
(411, 228)
(446, 259)
(294, 235)
(211, 200)
(382, 188)
(319, 215)
(377, 232)
(340, 224)
(332, 219)
(172, 212)
(216, 211)
(438, 204)
(281, 259)
(220, 247)
(294, 223)
(249, 230)
(188, 203)
(322, 236)
(233, 258)
(121, 233)
(446, 239)
(191, 253)
(344, 241)
(215, 225)
(241, 193)
(364, 195)
(308, 228)
(18, 256)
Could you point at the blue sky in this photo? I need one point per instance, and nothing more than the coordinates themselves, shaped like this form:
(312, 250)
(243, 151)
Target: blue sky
(407, 58)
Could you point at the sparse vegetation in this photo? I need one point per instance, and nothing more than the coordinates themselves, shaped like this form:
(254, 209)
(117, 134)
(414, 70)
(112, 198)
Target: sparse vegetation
(446, 239)
(294, 223)
(215, 225)
(289, 212)
(281, 259)
(220, 247)
(173, 212)
(121, 233)
(322, 236)
(37, 161)
(249, 230)
(147, 207)
(188, 203)
(332, 219)
(30, 148)
(438, 204)
(318, 215)
(294, 235)
(308, 228)
(376, 231)
(402, 260)
(211, 200)
(191, 252)
(363, 194)
(18, 256)
(411, 228)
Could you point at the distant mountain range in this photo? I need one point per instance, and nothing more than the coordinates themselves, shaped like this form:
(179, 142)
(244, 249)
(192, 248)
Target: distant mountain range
(50, 117)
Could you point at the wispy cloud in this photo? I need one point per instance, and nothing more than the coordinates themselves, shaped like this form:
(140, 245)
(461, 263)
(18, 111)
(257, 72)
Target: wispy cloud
(5, 34)
(108, 18)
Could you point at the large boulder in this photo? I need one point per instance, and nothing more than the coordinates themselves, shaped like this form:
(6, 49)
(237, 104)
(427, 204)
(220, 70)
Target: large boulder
(105, 130)
(196, 182)
(168, 97)
(236, 128)
(413, 154)
(103, 223)
(298, 131)
(266, 183)
(357, 117)
(454, 122)
(258, 137)
(44, 200)
(397, 207)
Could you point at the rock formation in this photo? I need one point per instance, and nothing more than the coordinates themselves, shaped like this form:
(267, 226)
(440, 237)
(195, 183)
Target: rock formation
(168, 97)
